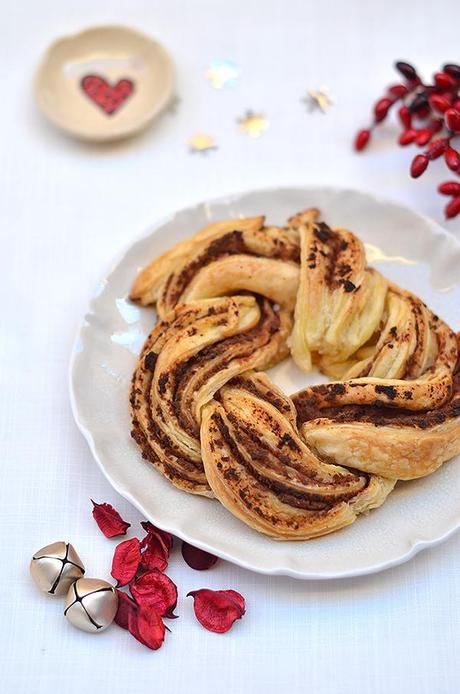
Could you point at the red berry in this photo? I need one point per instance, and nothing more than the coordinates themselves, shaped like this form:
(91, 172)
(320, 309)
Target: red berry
(423, 112)
(456, 104)
(436, 125)
(407, 137)
(419, 164)
(439, 103)
(419, 104)
(452, 119)
(407, 71)
(449, 188)
(452, 158)
(453, 70)
(423, 136)
(405, 116)
(361, 139)
(452, 208)
(436, 148)
(398, 90)
(443, 80)
(381, 108)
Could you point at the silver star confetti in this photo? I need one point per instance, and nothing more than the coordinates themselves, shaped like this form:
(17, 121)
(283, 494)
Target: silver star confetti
(222, 73)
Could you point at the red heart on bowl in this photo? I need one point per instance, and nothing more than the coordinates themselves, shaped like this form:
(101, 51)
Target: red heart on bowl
(109, 97)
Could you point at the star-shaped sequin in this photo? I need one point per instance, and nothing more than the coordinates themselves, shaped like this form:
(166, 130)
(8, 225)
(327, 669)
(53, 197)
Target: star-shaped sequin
(199, 142)
(318, 99)
(253, 124)
(222, 73)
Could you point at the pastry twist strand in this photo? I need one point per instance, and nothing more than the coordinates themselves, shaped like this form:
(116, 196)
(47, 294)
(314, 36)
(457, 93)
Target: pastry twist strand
(227, 300)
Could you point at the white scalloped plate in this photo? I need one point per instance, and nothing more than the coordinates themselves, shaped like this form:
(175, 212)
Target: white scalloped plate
(409, 248)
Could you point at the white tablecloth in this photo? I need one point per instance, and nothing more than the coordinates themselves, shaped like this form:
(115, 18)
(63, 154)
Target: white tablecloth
(67, 208)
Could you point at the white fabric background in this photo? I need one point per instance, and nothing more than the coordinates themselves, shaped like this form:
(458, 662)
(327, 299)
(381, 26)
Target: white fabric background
(67, 208)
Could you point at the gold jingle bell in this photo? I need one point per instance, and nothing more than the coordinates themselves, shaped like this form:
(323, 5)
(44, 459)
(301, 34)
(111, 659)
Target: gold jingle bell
(55, 567)
(91, 604)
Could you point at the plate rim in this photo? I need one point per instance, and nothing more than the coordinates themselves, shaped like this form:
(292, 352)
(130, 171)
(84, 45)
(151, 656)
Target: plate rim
(414, 547)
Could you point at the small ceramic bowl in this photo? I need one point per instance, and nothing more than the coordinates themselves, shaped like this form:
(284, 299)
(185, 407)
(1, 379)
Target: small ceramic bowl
(104, 83)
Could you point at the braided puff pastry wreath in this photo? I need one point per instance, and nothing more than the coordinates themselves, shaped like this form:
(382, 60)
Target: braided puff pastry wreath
(206, 416)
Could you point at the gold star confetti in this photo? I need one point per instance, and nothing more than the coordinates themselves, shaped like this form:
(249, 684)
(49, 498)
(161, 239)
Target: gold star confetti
(222, 73)
(201, 143)
(318, 99)
(253, 124)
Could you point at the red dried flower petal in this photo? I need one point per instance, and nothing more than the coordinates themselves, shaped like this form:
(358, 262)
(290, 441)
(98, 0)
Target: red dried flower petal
(155, 555)
(196, 558)
(217, 610)
(147, 627)
(126, 605)
(165, 537)
(155, 547)
(126, 560)
(155, 589)
(238, 598)
(109, 520)
(452, 208)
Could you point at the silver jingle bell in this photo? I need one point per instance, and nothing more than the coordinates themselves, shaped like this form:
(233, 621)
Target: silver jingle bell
(91, 604)
(55, 567)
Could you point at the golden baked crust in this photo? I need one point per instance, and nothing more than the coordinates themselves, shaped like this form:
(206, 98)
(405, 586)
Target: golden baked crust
(260, 469)
(339, 301)
(147, 285)
(227, 299)
(381, 340)
(385, 441)
(187, 357)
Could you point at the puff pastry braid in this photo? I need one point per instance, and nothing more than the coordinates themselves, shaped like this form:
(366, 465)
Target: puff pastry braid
(383, 341)
(261, 470)
(190, 354)
(227, 300)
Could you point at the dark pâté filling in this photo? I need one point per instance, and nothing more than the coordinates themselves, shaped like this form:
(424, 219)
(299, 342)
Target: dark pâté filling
(308, 408)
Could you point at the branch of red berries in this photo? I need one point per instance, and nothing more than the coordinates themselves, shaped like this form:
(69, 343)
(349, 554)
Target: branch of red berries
(425, 111)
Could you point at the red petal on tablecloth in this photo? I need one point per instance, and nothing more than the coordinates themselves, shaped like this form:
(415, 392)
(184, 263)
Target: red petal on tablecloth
(165, 537)
(126, 560)
(147, 627)
(217, 610)
(156, 546)
(126, 605)
(155, 589)
(154, 555)
(196, 558)
(109, 520)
